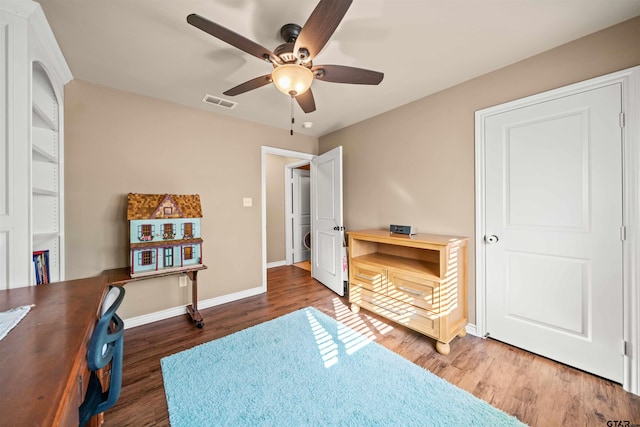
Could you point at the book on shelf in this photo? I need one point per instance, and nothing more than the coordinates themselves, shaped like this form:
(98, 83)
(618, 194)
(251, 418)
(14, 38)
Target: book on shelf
(41, 267)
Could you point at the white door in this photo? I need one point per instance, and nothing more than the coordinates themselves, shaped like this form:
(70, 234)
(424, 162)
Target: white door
(327, 232)
(300, 214)
(553, 229)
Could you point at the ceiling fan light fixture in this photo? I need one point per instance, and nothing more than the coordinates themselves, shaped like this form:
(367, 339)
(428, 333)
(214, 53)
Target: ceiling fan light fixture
(292, 79)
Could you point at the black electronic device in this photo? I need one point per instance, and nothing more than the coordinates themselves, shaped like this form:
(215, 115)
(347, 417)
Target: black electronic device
(403, 229)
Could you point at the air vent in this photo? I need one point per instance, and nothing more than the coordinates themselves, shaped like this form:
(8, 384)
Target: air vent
(224, 103)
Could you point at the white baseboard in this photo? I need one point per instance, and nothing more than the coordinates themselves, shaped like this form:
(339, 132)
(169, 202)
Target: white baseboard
(471, 330)
(132, 322)
(145, 319)
(276, 264)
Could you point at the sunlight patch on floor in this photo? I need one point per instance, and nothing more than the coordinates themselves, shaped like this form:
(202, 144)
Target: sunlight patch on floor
(380, 326)
(355, 321)
(327, 346)
(353, 332)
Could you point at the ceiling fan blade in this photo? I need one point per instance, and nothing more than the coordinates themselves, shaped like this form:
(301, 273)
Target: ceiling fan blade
(306, 101)
(249, 85)
(344, 74)
(234, 39)
(319, 28)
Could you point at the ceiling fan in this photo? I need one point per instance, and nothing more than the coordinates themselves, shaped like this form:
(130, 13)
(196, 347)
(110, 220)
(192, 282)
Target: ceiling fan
(294, 71)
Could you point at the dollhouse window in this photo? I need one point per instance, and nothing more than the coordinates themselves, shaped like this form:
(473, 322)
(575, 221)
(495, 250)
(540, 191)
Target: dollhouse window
(168, 231)
(168, 257)
(188, 252)
(145, 230)
(168, 210)
(187, 230)
(146, 257)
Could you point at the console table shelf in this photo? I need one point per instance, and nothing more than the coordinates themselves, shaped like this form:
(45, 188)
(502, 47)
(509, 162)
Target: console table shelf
(429, 269)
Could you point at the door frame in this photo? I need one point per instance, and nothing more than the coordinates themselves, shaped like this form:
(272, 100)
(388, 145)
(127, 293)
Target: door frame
(288, 203)
(263, 205)
(630, 80)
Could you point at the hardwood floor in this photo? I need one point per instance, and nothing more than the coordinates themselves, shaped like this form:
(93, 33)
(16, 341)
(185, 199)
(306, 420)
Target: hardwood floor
(538, 391)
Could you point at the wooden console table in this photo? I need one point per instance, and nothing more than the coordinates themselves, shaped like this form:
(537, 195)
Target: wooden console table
(418, 281)
(122, 276)
(43, 360)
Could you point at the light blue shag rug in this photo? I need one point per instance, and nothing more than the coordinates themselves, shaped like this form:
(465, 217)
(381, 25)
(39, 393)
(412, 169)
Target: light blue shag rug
(307, 369)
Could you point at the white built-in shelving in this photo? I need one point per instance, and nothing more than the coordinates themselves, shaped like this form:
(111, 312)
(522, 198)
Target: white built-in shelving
(32, 195)
(45, 171)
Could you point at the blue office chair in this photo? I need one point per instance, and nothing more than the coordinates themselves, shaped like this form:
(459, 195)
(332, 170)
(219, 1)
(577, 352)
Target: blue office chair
(106, 346)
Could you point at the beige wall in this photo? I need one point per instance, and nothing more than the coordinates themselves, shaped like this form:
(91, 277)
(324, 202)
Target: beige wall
(415, 165)
(275, 202)
(118, 142)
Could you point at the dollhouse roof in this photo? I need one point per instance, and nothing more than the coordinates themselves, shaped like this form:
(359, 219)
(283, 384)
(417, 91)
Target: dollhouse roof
(157, 206)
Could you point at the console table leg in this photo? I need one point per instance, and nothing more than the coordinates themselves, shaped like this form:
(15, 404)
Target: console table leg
(192, 308)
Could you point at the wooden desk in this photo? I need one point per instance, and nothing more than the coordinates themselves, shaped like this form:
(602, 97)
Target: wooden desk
(122, 276)
(43, 363)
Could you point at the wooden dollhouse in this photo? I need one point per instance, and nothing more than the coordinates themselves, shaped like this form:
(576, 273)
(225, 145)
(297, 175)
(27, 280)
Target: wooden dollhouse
(164, 233)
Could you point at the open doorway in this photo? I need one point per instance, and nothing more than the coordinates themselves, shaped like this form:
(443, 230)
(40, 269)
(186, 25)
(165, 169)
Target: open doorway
(278, 167)
(288, 213)
(328, 256)
(297, 189)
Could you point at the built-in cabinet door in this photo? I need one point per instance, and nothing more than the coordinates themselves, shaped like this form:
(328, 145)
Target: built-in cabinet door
(14, 151)
(5, 217)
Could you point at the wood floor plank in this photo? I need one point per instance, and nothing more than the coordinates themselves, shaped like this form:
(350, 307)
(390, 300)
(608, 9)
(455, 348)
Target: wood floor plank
(538, 391)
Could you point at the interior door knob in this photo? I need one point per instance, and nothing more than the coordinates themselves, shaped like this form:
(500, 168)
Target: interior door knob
(491, 239)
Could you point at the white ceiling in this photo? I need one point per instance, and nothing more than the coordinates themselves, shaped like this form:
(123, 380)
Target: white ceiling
(147, 47)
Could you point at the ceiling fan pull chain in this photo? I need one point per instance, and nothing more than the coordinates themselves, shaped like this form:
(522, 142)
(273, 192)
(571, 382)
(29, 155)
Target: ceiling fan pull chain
(292, 119)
